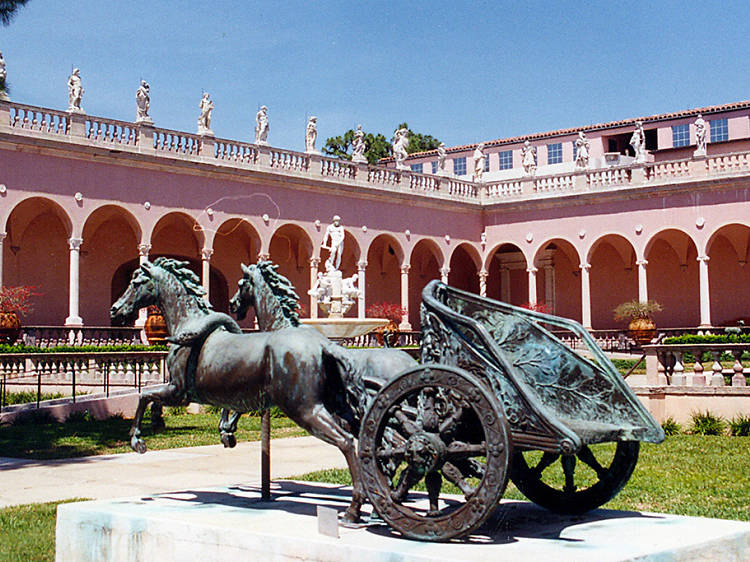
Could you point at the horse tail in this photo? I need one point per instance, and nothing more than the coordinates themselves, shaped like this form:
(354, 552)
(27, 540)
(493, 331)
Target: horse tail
(351, 376)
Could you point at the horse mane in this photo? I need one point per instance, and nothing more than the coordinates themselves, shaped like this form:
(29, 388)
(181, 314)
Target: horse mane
(282, 289)
(187, 279)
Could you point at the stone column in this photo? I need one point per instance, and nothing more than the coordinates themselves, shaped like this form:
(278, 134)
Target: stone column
(705, 295)
(361, 284)
(405, 325)
(549, 288)
(262, 256)
(483, 275)
(143, 250)
(206, 254)
(585, 296)
(505, 284)
(73, 318)
(642, 280)
(2, 237)
(444, 271)
(532, 284)
(314, 263)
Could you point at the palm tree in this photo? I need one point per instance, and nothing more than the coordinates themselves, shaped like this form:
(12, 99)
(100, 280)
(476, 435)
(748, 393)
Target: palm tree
(8, 9)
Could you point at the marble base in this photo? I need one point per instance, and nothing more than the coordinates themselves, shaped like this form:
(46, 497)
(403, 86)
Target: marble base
(232, 523)
(337, 328)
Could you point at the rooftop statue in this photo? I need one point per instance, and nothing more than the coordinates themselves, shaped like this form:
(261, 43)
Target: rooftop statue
(311, 135)
(582, 151)
(358, 146)
(442, 153)
(638, 142)
(400, 142)
(75, 91)
(700, 136)
(143, 103)
(204, 120)
(3, 76)
(480, 160)
(261, 126)
(528, 158)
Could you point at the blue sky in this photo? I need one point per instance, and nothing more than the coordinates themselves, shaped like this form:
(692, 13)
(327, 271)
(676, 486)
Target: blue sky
(463, 72)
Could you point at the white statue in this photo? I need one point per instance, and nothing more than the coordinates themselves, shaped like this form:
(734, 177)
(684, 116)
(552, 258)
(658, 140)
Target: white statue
(334, 232)
(400, 142)
(358, 146)
(311, 135)
(75, 92)
(3, 75)
(349, 290)
(204, 121)
(441, 154)
(583, 151)
(321, 290)
(528, 158)
(700, 136)
(638, 142)
(143, 102)
(480, 159)
(261, 125)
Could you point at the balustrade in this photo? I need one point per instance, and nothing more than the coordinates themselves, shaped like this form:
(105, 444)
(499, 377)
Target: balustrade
(423, 182)
(51, 336)
(384, 176)
(727, 163)
(334, 168)
(233, 151)
(31, 118)
(111, 132)
(288, 160)
(668, 170)
(705, 368)
(462, 188)
(608, 177)
(174, 142)
(507, 188)
(549, 184)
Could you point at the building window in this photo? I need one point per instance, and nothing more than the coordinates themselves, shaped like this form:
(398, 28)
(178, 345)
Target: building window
(459, 166)
(719, 130)
(486, 162)
(506, 159)
(554, 153)
(434, 166)
(417, 168)
(680, 135)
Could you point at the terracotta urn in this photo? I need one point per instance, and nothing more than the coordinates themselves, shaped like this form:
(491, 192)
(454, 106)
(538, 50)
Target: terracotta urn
(642, 330)
(155, 327)
(10, 327)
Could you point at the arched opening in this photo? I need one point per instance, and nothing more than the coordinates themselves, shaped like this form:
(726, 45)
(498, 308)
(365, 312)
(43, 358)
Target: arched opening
(613, 278)
(177, 235)
(672, 273)
(507, 278)
(291, 249)
(36, 252)
(729, 275)
(426, 261)
(383, 273)
(558, 278)
(464, 268)
(110, 239)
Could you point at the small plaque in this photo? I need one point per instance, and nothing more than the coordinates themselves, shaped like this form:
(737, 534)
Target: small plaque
(328, 522)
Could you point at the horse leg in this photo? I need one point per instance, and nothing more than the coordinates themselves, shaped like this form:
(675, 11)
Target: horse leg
(324, 426)
(228, 426)
(162, 394)
(157, 418)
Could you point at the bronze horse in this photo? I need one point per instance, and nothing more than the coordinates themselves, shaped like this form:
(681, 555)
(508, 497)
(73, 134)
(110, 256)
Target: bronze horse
(302, 372)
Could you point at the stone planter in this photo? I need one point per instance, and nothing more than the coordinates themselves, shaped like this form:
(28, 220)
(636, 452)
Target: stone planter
(10, 327)
(155, 327)
(642, 330)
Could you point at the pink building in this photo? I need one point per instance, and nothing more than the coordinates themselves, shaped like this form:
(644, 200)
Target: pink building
(84, 198)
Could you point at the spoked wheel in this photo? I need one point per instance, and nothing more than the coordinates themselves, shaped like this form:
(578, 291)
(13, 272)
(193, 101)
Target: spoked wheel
(431, 426)
(575, 483)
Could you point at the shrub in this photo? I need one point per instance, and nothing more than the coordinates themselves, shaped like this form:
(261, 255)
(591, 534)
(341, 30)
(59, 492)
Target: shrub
(718, 338)
(537, 307)
(34, 417)
(6, 348)
(175, 410)
(706, 423)
(17, 299)
(82, 416)
(636, 309)
(28, 396)
(391, 311)
(739, 426)
(671, 427)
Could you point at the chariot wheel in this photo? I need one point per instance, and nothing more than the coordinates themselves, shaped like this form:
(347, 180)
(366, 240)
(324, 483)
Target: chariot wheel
(575, 483)
(430, 427)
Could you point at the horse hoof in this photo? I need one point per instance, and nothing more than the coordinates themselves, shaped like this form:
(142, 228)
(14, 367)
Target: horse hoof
(228, 440)
(350, 519)
(138, 445)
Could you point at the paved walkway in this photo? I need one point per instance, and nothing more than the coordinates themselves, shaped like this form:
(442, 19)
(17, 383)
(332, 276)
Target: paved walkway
(130, 474)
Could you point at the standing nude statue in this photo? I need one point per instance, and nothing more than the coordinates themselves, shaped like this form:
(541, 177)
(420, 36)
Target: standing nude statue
(480, 159)
(261, 125)
(143, 103)
(700, 136)
(311, 135)
(358, 146)
(442, 153)
(638, 142)
(334, 232)
(75, 91)
(204, 121)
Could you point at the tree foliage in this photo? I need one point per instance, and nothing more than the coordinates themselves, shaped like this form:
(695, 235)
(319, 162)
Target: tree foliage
(377, 145)
(8, 10)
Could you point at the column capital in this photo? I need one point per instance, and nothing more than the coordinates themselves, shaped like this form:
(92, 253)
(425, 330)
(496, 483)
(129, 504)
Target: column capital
(75, 243)
(263, 256)
(2, 236)
(445, 270)
(585, 266)
(405, 267)
(362, 265)
(144, 249)
(206, 254)
(641, 263)
(483, 274)
(703, 258)
(314, 262)
(531, 270)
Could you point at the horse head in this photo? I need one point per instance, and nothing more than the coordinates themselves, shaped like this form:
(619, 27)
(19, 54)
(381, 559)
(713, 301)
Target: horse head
(244, 298)
(141, 292)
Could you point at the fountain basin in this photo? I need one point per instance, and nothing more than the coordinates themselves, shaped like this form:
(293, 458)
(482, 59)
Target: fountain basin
(337, 328)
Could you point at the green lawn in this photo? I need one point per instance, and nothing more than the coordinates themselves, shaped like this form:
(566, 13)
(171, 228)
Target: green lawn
(89, 437)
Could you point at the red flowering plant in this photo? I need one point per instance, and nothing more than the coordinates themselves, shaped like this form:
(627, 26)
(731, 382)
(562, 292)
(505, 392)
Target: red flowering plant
(17, 299)
(537, 307)
(389, 310)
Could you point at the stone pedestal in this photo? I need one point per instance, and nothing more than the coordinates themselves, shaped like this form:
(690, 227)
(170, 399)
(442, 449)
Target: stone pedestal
(233, 523)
